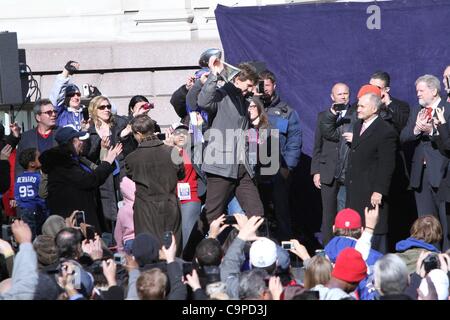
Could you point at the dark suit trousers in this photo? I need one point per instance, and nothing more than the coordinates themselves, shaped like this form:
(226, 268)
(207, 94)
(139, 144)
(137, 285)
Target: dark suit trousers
(220, 188)
(427, 201)
(329, 194)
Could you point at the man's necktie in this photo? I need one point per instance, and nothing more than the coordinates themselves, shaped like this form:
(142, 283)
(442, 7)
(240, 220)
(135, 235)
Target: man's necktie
(363, 128)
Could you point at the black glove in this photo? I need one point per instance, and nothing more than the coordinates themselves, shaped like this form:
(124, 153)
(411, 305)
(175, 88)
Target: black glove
(70, 68)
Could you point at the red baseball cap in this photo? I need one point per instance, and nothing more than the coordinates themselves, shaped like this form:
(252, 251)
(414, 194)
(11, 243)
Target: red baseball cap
(347, 219)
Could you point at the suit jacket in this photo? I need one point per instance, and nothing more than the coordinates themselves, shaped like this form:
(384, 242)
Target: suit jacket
(324, 156)
(425, 150)
(371, 165)
(330, 150)
(443, 143)
(400, 113)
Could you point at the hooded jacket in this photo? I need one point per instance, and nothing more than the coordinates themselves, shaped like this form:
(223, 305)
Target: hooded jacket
(410, 249)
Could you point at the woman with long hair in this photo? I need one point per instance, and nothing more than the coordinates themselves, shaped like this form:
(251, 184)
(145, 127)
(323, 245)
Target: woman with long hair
(104, 131)
(137, 105)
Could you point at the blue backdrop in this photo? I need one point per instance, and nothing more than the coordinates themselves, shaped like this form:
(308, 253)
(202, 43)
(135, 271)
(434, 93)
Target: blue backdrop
(312, 46)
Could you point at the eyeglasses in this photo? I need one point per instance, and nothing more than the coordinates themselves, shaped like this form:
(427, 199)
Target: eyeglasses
(103, 107)
(72, 94)
(180, 132)
(49, 112)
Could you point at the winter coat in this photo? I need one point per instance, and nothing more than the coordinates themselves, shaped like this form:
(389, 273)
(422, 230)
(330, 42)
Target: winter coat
(156, 206)
(409, 250)
(124, 229)
(109, 191)
(227, 108)
(71, 187)
(286, 120)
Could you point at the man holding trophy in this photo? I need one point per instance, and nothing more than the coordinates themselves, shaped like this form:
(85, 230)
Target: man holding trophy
(225, 160)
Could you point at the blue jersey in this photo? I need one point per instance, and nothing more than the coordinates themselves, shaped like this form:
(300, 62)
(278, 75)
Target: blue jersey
(26, 191)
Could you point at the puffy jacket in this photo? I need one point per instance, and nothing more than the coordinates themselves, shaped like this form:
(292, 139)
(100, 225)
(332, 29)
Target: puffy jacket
(287, 121)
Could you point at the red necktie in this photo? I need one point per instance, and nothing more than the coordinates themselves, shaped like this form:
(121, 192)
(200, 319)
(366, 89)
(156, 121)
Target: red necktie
(429, 112)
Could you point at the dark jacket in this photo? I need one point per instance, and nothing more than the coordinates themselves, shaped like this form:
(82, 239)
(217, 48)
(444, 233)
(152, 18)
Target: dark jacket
(409, 250)
(5, 180)
(228, 108)
(156, 206)
(178, 101)
(371, 165)
(330, 154)
(70, 187)
(286, 120)
(425, 149)
(110, 190)
(443, 144)
(29, 139)
(129, 143)
(400, 113)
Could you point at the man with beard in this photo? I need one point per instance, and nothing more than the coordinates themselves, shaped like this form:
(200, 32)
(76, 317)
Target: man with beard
(285, 119)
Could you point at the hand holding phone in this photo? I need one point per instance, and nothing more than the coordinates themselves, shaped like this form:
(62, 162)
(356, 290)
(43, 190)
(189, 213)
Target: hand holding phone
(187, 268)
(79, 218)
(167, 239)
(287, 245)
(85, 113)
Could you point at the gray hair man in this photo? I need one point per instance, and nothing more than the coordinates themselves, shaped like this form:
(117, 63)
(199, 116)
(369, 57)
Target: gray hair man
(391, 278)
(427, 163)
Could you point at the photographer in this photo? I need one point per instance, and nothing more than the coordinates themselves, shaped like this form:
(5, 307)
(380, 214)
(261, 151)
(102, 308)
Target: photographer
(330, 155)
(284, 118)
(66, 97)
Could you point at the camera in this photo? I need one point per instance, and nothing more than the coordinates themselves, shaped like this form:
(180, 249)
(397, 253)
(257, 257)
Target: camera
(431, 262)
(167, 239)
(320, 253)
(260, 87)
(230, 220)
(339, 106)
(86, 91)
(6, 232)
(287, 245)
(79, 218)
(119, 258)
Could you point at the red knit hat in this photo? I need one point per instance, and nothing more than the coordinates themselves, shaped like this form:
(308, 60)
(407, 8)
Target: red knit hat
(368, 88)
(347, 219)
(350, 266)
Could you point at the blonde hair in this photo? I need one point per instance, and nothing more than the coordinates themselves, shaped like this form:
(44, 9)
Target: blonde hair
(93, 107)
(151, 285)
(318, 271)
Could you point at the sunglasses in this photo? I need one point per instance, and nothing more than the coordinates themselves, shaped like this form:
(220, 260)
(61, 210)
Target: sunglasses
(49, 112)
(103, 107)
(74, 94)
